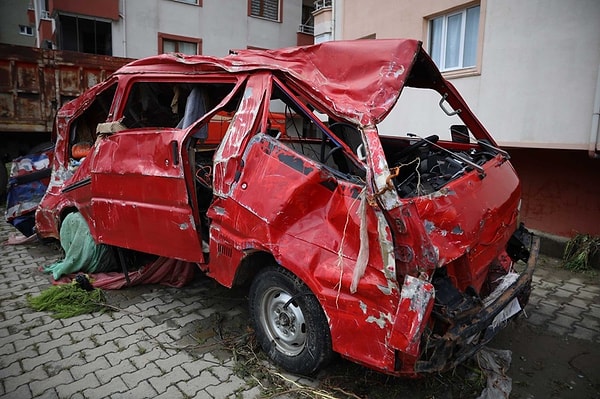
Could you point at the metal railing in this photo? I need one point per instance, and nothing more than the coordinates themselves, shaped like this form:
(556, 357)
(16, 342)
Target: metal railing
(308, 29)
(319, 4)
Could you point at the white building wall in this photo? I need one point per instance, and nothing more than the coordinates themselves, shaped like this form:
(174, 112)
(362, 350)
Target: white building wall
(539, 67)
(221, 24)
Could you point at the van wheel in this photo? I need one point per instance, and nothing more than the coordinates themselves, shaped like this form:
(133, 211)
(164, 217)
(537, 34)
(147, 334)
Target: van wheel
(289, 322)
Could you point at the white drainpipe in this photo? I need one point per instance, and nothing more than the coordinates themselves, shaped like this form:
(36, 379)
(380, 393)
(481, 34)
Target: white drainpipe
(593, 146)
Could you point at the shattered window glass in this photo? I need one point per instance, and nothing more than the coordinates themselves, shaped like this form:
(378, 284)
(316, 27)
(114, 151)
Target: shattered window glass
(171, 104)
(315, 135)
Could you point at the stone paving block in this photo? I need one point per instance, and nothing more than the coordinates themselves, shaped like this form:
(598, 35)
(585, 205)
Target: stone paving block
(561, 294)
(118, 320)
(591, 323)
(48, 357)
(226, 388)
(585, 333)
(577, 302)
(48, 324)
(78, 386)
(7, 349)
(82, 371)
(587, 296)
(159, 329)
(107, 375)
(70, 331)
(144, 356)
(143, 390)
(172, 392)
(558, 330)
(21, 392)
(39, 387)
(102, 350)
(138, 325)
(9, 370)
(186, 319)
(49, 344)
(116, 386)
(564, 321)
(156, 301)
(546, 308)
(252, 393)
(78, 347)
(132, 380)
(99, 319)
(571, 311)
(197, 367)
(571, 286)
(111, 335)
(169, 306)
(171, 361)
(592, 289)
(162, 382)
(13, 383)
(193, 388)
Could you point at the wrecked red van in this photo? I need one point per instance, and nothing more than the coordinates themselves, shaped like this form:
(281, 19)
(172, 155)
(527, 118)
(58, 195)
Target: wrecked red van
(266, 168)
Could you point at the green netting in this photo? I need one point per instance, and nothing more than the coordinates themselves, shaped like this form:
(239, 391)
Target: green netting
(81, 252)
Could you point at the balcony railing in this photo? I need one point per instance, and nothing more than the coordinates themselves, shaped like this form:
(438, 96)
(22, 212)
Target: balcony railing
(319, 4)
(308, 29)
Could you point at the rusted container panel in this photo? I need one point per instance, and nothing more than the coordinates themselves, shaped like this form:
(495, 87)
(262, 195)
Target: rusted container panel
(35, 82)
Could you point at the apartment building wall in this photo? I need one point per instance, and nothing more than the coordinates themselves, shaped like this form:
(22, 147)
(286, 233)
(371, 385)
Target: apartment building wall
(220, 25)
(534, 88)
(13, 14)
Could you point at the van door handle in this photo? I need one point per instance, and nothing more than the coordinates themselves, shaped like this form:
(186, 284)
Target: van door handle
(175, 152)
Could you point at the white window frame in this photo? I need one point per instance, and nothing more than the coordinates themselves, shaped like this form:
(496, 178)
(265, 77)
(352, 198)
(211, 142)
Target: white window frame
(444, 28)
(26, 30)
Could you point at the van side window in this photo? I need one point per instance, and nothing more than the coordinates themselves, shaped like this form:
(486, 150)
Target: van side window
(83, 128)
(171, 104)
(314, 134)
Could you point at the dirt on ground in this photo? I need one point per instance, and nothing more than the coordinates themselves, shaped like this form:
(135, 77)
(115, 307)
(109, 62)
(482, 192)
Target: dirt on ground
(544, 365)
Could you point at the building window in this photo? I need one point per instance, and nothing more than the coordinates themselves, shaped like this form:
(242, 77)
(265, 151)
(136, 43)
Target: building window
(453, 39)
(85, 35)
(179, 44)
(269, 9)
(195, 2)
(26, 30)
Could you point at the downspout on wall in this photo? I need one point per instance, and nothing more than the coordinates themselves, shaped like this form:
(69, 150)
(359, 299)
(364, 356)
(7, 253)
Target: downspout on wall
(124, 28)
(593, 145)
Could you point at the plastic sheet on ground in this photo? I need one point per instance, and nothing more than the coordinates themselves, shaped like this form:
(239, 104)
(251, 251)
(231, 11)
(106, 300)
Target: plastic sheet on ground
(81, 252)
(165, 271)
(495, 364)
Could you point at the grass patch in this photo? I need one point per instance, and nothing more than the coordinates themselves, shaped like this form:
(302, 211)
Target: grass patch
(581, 251)
(68, 300)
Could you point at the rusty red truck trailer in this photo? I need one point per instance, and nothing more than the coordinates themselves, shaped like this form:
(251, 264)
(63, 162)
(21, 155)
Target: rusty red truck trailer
(34, 84)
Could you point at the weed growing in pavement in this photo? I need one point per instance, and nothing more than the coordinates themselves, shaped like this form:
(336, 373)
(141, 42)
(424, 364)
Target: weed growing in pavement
(141, 350)
(581, 252)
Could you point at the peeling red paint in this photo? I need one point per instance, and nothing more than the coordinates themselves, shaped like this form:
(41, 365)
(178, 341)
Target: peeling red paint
(314, 193)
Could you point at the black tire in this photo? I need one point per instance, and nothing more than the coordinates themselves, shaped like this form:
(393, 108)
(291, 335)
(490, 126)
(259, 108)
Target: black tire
(289, 322)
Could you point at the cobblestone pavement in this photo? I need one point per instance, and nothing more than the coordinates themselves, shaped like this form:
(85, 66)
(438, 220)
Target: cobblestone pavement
(150, 348)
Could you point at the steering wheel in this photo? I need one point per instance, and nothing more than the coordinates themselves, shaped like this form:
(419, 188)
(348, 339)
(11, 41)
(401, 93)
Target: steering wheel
(426, 142)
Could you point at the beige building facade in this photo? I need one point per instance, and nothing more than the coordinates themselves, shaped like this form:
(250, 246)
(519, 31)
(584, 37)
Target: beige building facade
(530, 70)
(536, 74)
